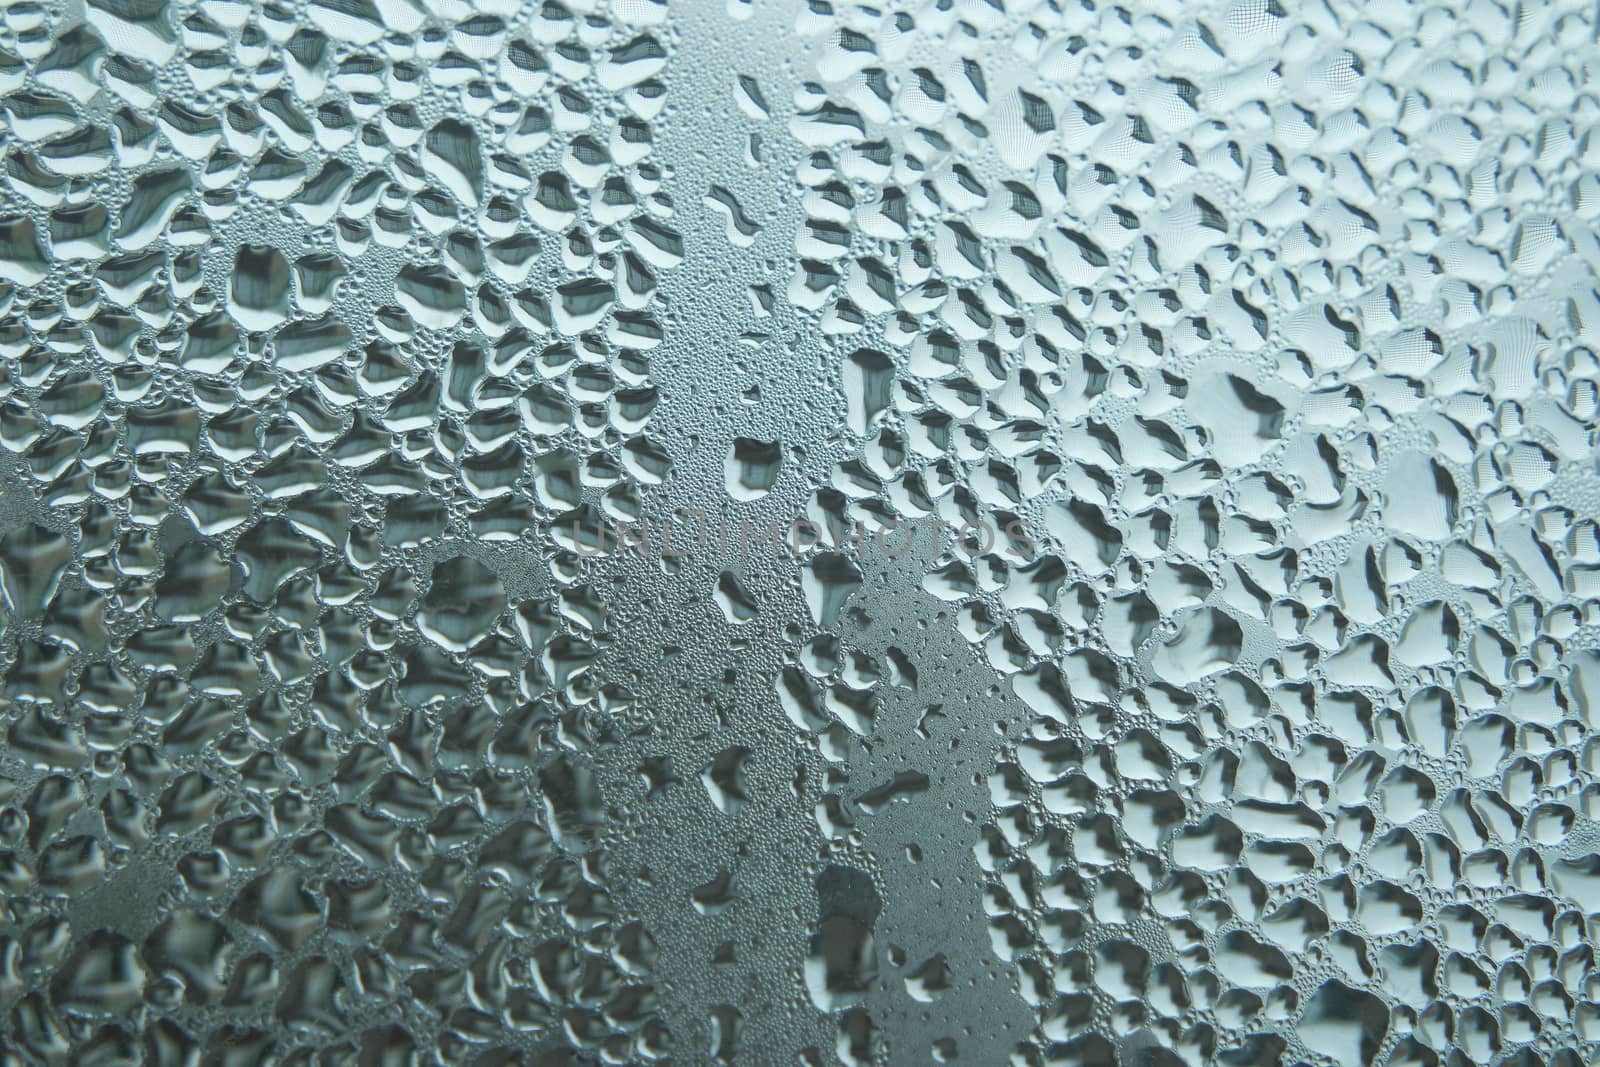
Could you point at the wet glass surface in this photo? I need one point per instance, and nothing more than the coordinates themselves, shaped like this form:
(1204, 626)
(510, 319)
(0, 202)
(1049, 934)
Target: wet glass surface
(1038, 533)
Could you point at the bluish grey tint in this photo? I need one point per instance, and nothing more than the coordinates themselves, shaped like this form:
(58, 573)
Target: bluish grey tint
(1040, 533)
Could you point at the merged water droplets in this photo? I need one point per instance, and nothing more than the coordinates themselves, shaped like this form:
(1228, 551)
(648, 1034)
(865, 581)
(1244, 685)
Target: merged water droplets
(290, 326)
(1230, 307)
(1194, 408)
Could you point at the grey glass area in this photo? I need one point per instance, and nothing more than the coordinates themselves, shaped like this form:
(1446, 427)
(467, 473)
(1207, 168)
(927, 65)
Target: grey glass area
(1004, 533)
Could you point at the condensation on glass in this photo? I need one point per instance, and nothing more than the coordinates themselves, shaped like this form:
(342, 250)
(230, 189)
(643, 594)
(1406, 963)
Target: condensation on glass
(1048, 533)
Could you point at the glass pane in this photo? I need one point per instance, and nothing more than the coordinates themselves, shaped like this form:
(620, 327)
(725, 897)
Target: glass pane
(1042, 532)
